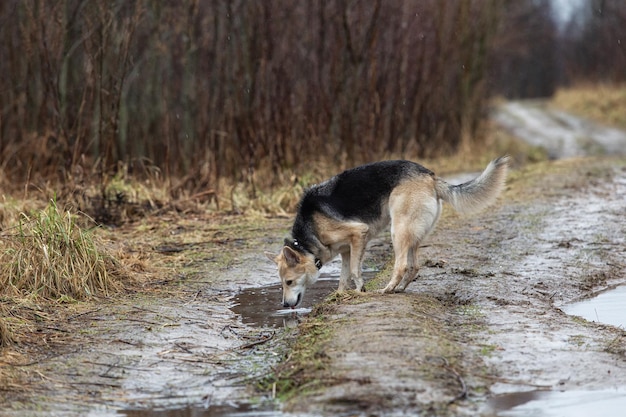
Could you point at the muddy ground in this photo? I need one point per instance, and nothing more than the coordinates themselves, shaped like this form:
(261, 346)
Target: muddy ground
(484, 318)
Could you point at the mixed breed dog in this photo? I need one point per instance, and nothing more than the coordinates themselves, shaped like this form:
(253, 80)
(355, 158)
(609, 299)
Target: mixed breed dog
(341, 215)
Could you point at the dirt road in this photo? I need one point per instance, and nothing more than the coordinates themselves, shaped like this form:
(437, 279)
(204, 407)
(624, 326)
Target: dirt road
(561, 134)
(481, 329)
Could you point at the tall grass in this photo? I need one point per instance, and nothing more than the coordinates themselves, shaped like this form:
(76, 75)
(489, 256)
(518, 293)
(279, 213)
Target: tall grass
(48, 255)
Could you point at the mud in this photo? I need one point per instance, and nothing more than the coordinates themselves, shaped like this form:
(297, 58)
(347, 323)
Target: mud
(483, 331)
(245, 410)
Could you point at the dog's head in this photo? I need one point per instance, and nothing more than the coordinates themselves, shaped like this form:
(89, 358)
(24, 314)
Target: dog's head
(297, 270)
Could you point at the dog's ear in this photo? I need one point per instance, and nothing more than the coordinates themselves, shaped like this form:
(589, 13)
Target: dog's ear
(270, 256)
(291, 256)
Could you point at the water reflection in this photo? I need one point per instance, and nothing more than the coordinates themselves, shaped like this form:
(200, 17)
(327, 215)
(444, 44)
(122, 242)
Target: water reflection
(605, 403)
(608, 307)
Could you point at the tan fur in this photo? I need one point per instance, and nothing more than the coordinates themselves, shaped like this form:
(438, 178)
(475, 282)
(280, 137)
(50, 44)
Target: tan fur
(349, 240)
(295, 271)
(415, 209)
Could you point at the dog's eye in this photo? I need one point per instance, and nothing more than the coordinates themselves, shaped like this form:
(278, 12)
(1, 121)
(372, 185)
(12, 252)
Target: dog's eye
(289, 282)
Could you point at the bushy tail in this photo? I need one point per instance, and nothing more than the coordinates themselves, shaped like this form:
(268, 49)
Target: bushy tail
(477, 194)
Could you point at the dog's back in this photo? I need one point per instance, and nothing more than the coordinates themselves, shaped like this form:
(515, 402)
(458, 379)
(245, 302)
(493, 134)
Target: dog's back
(358, 193)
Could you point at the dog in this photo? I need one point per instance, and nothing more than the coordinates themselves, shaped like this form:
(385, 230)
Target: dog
(341, 215)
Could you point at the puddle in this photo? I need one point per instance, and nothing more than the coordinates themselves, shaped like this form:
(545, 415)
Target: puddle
(606, 403)
(212, 411)
(608, 307)
(262, 306)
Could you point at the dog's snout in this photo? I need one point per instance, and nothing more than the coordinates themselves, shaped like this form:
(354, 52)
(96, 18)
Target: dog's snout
(292, 302)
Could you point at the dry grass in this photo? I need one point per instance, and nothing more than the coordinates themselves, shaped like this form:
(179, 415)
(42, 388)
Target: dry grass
(604, 103)
(48, 255)
(6, 334)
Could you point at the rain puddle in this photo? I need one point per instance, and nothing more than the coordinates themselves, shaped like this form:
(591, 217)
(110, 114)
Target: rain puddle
(262, 306)
(608, 307)
(606, 403)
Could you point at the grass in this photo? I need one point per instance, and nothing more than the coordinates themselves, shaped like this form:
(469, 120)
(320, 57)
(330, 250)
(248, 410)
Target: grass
(604, 103)
(305, 357)
(49, 255)
(6, 333)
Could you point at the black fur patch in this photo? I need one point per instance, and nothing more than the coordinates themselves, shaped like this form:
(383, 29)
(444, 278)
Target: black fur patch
(355, 194)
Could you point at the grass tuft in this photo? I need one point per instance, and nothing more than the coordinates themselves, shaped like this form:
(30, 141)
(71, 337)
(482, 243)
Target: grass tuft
(50, 256)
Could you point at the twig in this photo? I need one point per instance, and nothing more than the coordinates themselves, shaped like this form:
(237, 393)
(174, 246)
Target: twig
(56, 329)
(183, 348)
(83, 314)
(195, 296)
(143, 321)
(153, 312)
(513, 382)
(258, 342)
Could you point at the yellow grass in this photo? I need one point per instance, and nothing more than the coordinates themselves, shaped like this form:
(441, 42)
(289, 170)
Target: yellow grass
(604, 103)
(46, 254)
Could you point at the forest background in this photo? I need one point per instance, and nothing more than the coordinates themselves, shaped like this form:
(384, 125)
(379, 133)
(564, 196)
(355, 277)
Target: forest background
(195, 92)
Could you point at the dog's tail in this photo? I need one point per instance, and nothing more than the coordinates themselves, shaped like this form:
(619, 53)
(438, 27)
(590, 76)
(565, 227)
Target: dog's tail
(477, 194)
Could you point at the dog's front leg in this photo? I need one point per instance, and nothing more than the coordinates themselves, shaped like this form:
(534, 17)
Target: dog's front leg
(344, 278)
(356, 258)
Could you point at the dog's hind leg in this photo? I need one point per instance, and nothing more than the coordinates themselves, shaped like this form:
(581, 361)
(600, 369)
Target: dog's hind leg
(424, 227)
(413, 217)
(401, 265)
(411, 270)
